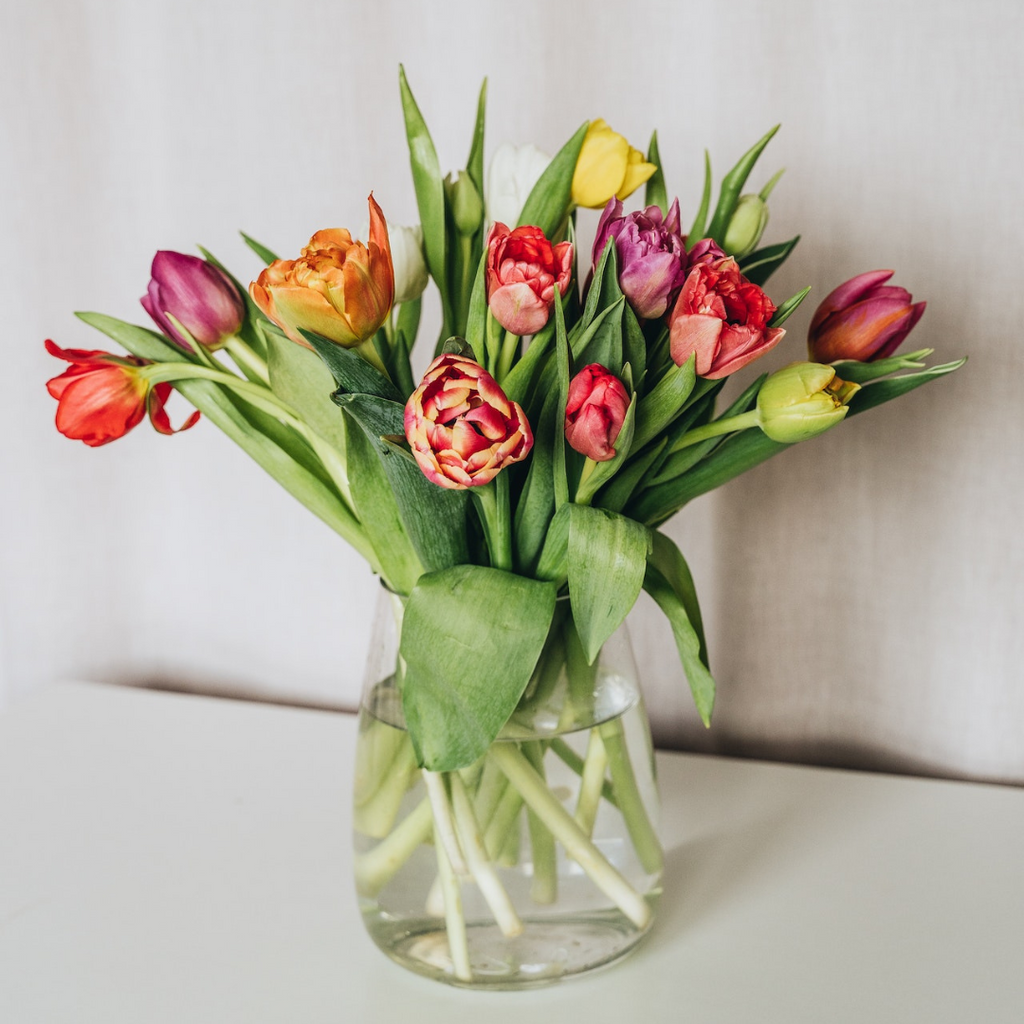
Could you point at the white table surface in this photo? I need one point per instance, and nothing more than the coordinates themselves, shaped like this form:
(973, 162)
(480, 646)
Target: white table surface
(169, 858)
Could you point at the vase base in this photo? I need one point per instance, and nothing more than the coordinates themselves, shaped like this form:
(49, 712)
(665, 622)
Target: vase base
(549, 950)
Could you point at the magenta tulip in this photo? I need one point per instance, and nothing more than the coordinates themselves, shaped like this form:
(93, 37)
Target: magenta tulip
(863, 319)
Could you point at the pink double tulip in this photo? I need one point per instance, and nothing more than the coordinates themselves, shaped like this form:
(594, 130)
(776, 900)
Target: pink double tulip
(723, 318)
(863, 319)
(523, 271)
(652, 257)
(461, 426)
(594, 412)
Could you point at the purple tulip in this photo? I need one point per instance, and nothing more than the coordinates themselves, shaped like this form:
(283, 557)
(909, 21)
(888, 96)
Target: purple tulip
(863, 319)
(705, 250)
(200, 296)
(652, 257)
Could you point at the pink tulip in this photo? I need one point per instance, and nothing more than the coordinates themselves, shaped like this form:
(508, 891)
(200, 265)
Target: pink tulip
(594, 412)
(461, 426)
(723, 318)
(523, 271)
(863, 319)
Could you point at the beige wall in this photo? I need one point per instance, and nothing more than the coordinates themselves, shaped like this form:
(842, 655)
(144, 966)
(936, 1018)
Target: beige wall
(863, 592)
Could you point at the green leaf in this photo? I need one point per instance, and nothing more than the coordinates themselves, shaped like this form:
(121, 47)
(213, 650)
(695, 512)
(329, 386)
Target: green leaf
(140, 341)
(602, 341)
(553, 564)
(688, 642)
(701, 219)
(604, 290)
(558, 468)
(429, 188)
(885, 390)
(861, 373)
(664, 402)
(353, 373)
(634, 347)
(518, 385)
(536, 504)
(607, 556)
(265, 254)
(547, 205)
(618, 492)
(666, 557)
(759, 265)
(732, 185)
(788, 308)
(476, 319)
(655, 194)
(471, 637)
(475, 161)
(434, 517)
(408, 319)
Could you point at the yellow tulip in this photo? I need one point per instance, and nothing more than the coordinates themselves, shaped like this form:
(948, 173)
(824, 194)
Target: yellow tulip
(607, 166)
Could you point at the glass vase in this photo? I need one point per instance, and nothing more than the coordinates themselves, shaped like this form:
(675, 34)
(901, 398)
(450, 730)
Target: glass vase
(537, 863)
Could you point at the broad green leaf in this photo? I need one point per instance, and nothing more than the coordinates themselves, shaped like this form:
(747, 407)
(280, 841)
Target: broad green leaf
(732, 186)
(700, 220)
(634, 347)
(434, 517)
(664, 402)
(604, 288)
(655, 194)
(471, 637)
(892, 387)
(602, 341)
(607, 556)
(351, 371)
(536, 504)
(788, 308)
(688, 642)
(666, 557)
(475, 161)
(265, 254)
(430, 200)
(759, 265)
(548, 204)
(553, 564)
(617, 493)
(140, 341)
(862, 373)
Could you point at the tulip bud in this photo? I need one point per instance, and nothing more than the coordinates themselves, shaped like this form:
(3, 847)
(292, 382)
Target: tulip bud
(746, 226)
(513, 172)
(466, 205)
(411, 275)
(594, 412)
(863, 319)
(801, 401)
(200, 296)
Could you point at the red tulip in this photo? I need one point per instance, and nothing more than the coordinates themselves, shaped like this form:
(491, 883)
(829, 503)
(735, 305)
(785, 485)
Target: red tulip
(102, 396)
(594, 412)
(863, 319)
(461, 426)
(723, 318)
(523, 271)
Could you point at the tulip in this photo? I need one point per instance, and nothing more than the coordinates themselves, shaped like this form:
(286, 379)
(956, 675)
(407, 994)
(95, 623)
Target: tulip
(594, 412)
(523, 271)
(746, 226)
(704, 250)
(410, 268)
(200, 296)
(100, 397)
(513, 172)
(607, 166)
(651, 254)
(723, 318)
(461, 426)
(863, 319)
(801, 401)
(338, 288)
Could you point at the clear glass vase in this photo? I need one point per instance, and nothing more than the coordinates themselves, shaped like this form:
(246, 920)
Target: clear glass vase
(537, 863)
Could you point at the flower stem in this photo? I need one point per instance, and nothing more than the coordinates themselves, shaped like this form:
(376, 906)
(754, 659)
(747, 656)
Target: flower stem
(504, 815)
(717, 427)
(573, 761)
(544, 886)
(547, 807)
(592, 780)
(492, 502)
(455, 922)
(443, 820)
(247, 360)
(507, 354)
(375, 814)
(377, 867)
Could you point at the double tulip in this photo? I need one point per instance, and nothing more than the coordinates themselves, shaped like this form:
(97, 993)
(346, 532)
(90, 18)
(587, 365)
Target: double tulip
(722, 318)
(523, 272)
(100, 397)
(607, 166)
(652, 257)
(198, 295)
(594, 412)
(461, 426)
(338, 288)
(863, 319)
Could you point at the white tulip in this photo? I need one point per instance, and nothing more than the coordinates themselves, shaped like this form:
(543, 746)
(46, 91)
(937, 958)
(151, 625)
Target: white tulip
(407, 256)
(513, 172)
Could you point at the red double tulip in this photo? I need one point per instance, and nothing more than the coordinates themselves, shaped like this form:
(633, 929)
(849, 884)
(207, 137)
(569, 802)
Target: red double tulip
(863, 319)
(594, 412)
(461, 426)
(723, 318)
(523, 271)
(102, 396)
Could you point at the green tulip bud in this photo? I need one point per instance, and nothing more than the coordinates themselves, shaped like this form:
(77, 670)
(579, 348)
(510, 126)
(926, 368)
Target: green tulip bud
(801, 401)
(746, 226)
(466, 205)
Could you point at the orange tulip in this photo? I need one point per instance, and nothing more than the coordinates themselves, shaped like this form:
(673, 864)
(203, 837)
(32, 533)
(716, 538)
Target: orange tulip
(338, 288)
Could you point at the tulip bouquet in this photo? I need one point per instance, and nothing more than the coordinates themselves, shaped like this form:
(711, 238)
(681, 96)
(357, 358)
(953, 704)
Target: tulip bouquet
(510, 499)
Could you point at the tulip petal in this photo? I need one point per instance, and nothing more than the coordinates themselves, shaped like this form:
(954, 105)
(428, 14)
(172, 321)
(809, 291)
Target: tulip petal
(695, 333)
(518, 309)
(847, 293)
